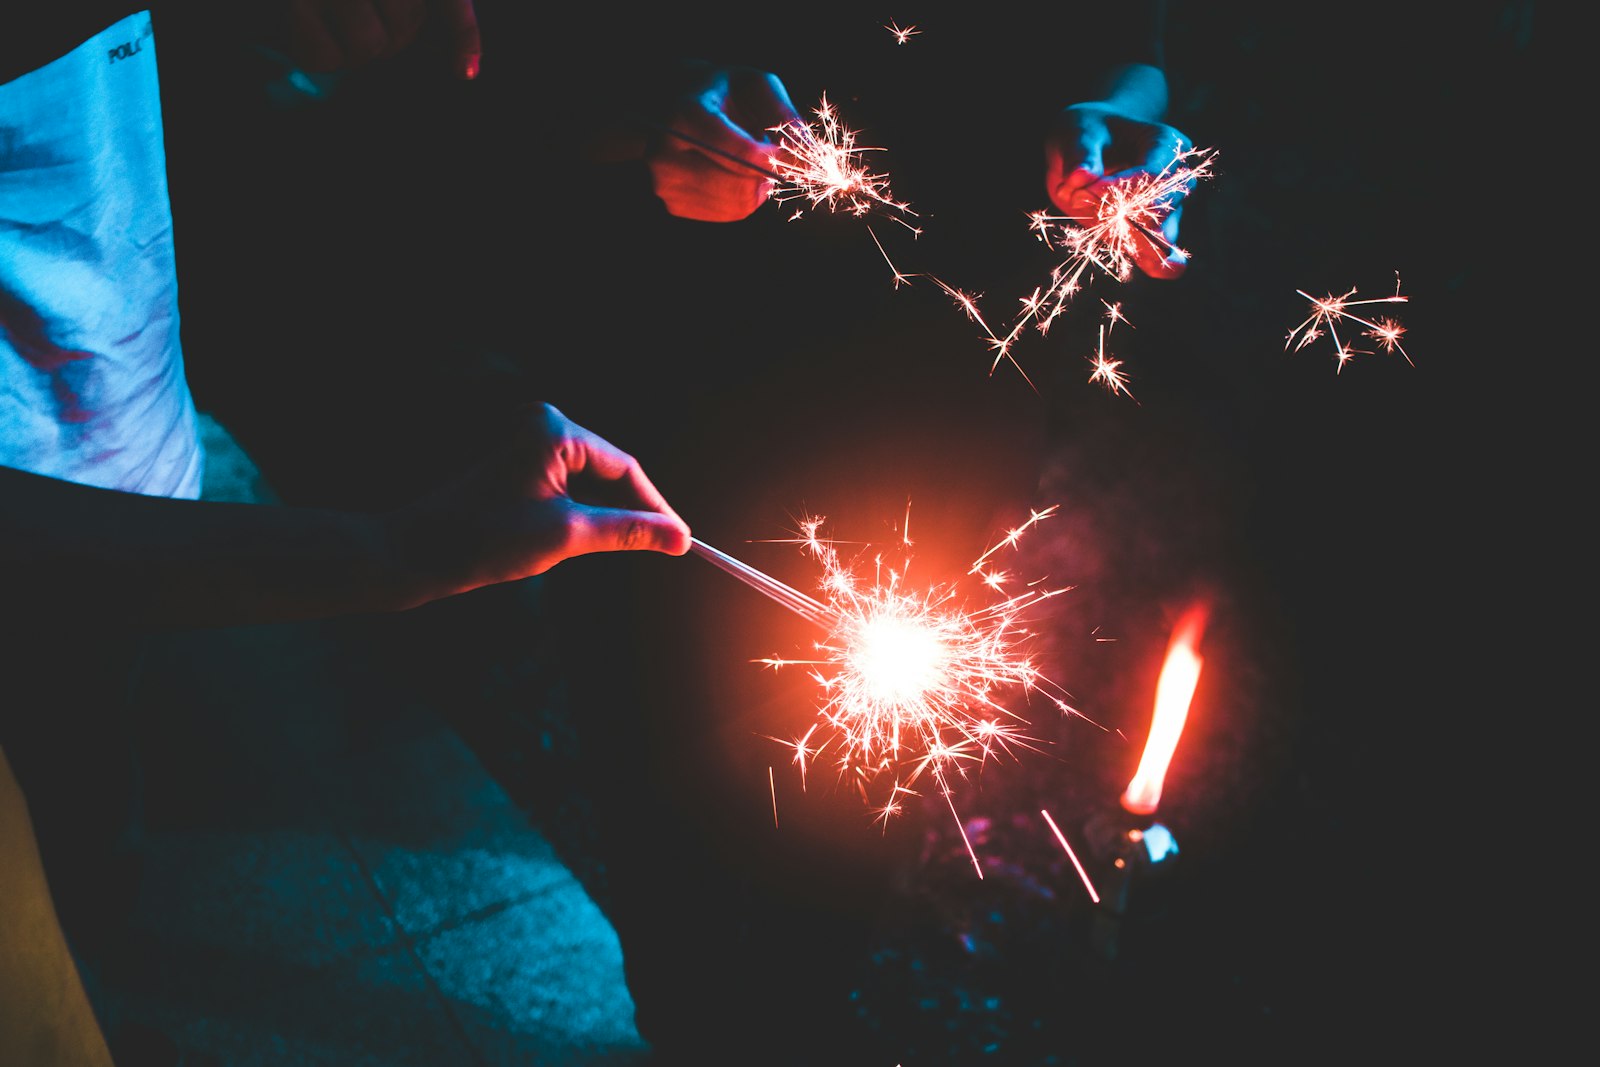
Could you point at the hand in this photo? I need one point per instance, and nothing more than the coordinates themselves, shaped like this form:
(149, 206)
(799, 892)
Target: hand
(556, 491)
(1095, 145)
(328, 35)
(731, 109)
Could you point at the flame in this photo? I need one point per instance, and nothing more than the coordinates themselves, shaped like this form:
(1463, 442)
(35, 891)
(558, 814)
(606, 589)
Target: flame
(1174, 691)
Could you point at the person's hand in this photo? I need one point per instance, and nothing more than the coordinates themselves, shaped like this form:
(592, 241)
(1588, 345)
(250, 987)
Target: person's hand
(330, 35)
(729, 109)
(555, 491)
(1095, 145)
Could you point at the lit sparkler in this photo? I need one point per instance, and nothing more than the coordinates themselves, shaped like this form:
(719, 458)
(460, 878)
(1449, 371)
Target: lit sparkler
(1127, 220)
(1329, 311)
(822, 165)
(912, 680)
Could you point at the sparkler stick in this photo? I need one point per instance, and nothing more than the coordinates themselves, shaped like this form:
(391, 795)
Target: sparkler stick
(788, 596)
(707, 146)
(1083, 875)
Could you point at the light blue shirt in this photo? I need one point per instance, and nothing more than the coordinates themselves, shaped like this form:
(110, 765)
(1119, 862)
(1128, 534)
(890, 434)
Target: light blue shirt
(92, 384)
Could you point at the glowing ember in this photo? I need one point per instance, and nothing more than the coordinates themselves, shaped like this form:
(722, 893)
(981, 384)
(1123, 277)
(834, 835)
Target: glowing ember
(821, 164)
(911, 680)
(1175, 689)
(1329, 311)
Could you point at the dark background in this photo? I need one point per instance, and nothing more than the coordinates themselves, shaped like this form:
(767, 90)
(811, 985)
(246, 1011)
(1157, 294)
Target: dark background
(369, 275)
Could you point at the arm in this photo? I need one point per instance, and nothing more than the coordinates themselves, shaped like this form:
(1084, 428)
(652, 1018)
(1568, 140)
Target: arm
(72, 553)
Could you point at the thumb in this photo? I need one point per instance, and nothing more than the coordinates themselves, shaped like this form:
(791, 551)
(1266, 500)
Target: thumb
(621, 530)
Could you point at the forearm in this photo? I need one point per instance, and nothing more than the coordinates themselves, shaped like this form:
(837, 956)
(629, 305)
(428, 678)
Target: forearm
(71, 552)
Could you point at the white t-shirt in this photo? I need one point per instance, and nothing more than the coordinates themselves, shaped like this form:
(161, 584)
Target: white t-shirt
(92, 385)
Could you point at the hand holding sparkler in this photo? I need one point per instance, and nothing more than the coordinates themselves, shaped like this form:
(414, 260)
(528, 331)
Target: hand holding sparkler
(1099, 146)
(711, 161)
(553, 491)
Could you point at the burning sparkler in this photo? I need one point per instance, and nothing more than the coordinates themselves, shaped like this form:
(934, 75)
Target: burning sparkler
(911, 679)
(1127, 220)
(822, 165)
(1328, 312)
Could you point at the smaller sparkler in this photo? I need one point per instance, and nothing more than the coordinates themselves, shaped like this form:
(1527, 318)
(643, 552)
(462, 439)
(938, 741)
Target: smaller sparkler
(822, 165)
(1329, 311)
(1127, 220)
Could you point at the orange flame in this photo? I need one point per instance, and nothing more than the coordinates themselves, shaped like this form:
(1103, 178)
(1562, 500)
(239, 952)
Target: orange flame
(1174, 691)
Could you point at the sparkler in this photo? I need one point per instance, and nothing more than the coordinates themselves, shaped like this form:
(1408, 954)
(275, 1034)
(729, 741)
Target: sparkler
(822, 164)
(1329, 311)
(1146, 845)
(911, 679)
(1127, 220)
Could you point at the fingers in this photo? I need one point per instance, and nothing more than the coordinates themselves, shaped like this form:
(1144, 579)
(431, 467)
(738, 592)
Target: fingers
(460, 19)
(634, 511)
(706, 182)
(692, 187)
(596, 529)
(761, 102)
(1075, 161)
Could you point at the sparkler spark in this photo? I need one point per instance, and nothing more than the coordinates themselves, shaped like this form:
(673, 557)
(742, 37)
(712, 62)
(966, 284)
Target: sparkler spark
(912, 680)
(901, 35)
(821, 164)
(1108, 371)
(1329, 311)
